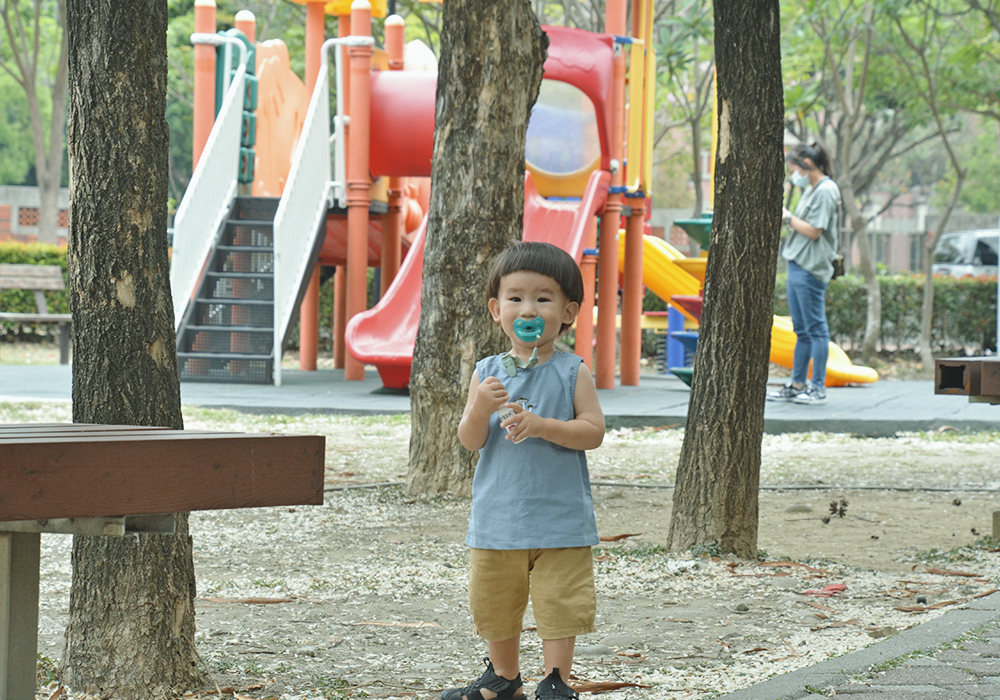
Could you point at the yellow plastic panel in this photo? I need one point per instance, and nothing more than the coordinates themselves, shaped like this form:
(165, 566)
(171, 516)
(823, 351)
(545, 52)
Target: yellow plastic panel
(562, 184)
(650, 104)
(659, 271)
(343, 7)
(636, 111)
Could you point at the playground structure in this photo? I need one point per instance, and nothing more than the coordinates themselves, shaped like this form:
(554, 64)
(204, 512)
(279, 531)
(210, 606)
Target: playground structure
(243, 264)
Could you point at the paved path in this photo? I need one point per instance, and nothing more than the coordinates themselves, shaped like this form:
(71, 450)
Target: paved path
(952, 657)
(879, 409)
(969, 670)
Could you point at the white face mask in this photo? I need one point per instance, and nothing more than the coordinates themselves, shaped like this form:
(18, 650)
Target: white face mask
(800, 179)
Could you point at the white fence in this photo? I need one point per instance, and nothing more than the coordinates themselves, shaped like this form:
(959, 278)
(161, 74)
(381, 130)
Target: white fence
(211, 190)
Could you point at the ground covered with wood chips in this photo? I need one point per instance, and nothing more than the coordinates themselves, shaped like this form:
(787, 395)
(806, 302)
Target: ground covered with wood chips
(365, 596)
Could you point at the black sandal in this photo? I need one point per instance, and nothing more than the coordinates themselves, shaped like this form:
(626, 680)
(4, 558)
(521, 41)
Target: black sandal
(503, 687)
(553, 687)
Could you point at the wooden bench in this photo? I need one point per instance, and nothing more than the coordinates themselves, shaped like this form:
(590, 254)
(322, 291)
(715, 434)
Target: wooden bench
(38, 279)
(115, 480)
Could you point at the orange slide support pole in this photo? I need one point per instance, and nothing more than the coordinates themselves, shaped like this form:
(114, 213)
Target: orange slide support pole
(204, 79)
(309, 310)
(247, 23)
(632, 288)
(358, 183)
(632, 293)
(340, 275)
(392, 226)
(607, 274)
(585, 320)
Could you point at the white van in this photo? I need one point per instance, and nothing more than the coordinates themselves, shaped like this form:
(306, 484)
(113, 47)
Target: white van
(967, 253)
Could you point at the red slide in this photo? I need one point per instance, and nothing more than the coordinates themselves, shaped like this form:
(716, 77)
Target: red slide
(385, 334)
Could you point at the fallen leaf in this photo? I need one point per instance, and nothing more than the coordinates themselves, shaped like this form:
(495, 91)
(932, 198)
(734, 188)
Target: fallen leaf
(795, 563)
(596, 687)
(381, 623)
(813, 604)
(847, 623)
(826, 591)
(249, 601)
(754, 650)
(925, 608)
(618, 538)
(946, 572)
(57, 694)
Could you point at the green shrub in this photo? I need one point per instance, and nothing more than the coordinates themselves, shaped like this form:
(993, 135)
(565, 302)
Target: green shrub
(964, 311)
(18, 301)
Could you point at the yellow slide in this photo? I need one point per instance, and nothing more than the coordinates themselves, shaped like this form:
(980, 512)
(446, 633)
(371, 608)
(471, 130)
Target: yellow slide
(666, 278)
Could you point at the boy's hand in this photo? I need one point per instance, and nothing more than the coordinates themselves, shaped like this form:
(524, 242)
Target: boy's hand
(522, 425)
(490, 396)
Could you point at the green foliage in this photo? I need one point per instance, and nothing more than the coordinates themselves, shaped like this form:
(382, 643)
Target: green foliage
(17, 301)
(16, 152)
(981, 157)
(964, 311)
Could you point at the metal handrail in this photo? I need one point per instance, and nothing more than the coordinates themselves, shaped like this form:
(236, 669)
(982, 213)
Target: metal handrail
(211, 190)
(308, 193)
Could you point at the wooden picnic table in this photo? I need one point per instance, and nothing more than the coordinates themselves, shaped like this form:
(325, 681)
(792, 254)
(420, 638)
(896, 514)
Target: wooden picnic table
(117, 480)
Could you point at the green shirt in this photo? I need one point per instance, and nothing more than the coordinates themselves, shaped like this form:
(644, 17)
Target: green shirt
(819, 207)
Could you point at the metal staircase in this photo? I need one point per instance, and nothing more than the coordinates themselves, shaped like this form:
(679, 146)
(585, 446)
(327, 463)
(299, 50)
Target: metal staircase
(228, 334)
(241, 265)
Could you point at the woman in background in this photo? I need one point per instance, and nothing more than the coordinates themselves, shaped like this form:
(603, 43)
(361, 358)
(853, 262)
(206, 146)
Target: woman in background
(810, 249)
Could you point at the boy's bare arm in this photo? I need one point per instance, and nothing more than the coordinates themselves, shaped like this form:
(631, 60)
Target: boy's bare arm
(584, 432)
(484, 399)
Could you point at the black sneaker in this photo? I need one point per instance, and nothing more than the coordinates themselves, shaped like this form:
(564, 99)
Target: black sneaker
(785, 393)
(552, 687)
(811, 396)
(503, 687)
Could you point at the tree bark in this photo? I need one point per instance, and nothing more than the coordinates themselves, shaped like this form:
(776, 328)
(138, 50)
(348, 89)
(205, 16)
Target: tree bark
(131, 628)
(490, 72)
(715, 500)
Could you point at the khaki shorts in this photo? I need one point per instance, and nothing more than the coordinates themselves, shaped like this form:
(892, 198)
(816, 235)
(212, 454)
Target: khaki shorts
(560, 583)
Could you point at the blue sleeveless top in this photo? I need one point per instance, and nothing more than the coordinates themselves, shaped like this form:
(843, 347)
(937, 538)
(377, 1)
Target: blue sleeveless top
(534, 495)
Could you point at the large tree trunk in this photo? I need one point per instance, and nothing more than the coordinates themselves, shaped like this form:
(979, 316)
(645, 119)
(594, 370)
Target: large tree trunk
(715, 500)
(131, 627)
(492, 53)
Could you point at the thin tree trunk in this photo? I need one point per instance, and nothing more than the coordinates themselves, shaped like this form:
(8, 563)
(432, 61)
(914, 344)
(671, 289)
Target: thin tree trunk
(869, 270)
(476, 209)
(131, 627)
(715, 500)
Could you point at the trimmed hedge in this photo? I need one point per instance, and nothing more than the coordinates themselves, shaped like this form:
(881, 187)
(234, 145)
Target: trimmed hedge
(965, 312)
(18, 301)
(964, 307)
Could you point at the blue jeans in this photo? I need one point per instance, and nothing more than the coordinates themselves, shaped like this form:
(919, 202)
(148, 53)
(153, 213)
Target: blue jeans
(807, 304)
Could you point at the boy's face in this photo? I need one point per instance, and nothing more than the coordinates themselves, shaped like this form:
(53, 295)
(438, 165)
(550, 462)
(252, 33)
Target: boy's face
(527, 295)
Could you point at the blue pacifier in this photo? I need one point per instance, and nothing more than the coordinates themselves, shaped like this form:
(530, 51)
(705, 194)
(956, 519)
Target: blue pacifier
(529, 331)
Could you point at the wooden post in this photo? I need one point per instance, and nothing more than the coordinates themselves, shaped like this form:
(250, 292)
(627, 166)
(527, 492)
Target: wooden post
(19, 555)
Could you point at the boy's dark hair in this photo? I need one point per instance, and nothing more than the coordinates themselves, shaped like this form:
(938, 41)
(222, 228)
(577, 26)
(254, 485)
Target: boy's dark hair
(543, 258)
